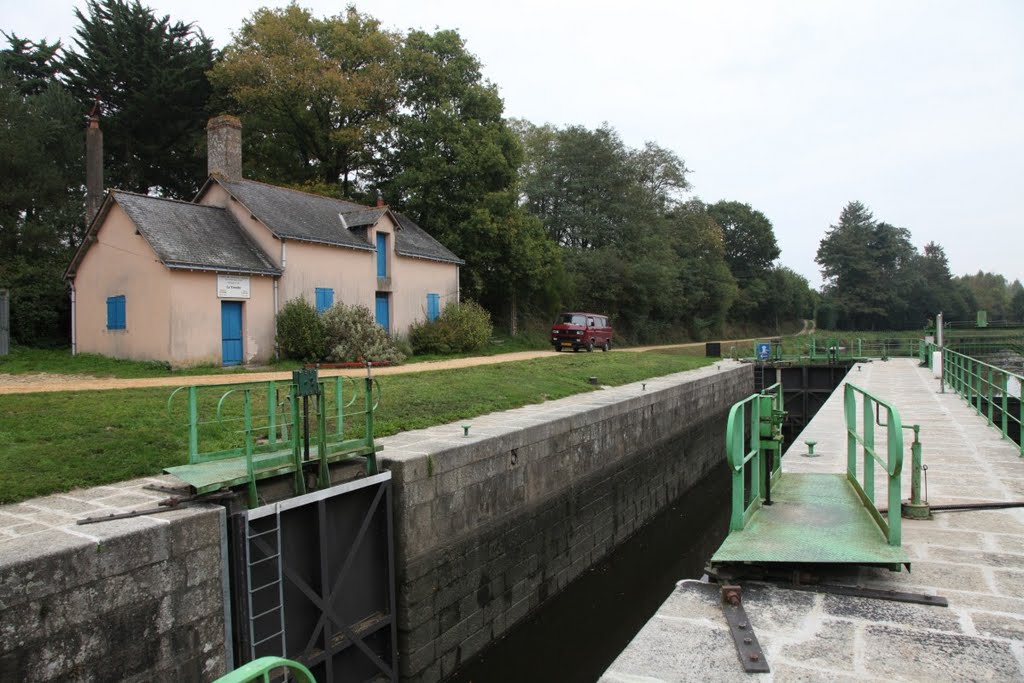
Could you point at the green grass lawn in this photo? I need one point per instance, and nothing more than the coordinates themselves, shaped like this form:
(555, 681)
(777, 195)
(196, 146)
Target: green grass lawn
(58, 441)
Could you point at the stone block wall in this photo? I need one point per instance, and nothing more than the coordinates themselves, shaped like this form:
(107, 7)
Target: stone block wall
(489, 526)
(138, 599)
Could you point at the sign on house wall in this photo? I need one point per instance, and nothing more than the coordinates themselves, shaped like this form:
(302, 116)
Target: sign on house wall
(232, 287)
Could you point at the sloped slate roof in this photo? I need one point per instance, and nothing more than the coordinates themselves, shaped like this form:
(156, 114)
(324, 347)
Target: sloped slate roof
(299, 215)
(412, 240)
(302, 216)
(187, 235)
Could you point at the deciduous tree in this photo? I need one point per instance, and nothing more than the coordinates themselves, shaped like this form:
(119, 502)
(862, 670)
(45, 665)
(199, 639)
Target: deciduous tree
(317, 96)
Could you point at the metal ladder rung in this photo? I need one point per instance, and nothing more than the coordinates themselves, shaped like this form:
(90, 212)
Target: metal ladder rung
(266, 585)
(260, 642)
(262, 533)
(275, 608)
(264, 559)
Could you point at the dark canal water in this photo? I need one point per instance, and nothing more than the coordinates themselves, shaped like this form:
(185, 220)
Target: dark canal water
(577, 634)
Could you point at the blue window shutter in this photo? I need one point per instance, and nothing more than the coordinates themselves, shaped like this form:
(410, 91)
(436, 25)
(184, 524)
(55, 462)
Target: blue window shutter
(324, 299)
(115, 313)
(382, 255)
(433, 306)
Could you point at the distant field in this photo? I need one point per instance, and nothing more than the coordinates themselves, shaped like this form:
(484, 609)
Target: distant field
(58, 441)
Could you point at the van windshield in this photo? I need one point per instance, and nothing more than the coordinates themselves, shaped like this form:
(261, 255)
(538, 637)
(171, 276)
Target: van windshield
(570, 319)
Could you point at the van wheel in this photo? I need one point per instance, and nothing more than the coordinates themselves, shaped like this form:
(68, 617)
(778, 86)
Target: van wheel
(557, 349)
(590, 346)
(607, 346)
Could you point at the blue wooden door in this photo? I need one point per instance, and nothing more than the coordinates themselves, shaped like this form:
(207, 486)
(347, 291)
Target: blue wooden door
(383, 319)
(231, 331)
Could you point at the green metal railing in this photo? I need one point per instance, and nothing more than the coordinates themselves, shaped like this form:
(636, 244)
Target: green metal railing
(267, 423)
(753, 448)
(260, 670)
(892, 463)
(833, 348)
(987, 388)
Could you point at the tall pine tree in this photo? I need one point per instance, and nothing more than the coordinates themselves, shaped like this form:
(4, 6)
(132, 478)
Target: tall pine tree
(149, 75)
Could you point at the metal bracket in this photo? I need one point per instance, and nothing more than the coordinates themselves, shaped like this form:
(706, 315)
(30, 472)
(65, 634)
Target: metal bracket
(749, 650)
(874, 593)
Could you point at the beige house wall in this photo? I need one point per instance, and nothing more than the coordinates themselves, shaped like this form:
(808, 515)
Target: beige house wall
(121, 262)
(195, 320)
(349, 272)
(413, 279)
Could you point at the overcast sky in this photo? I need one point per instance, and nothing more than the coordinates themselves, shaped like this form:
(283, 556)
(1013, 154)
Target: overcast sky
(915, 108)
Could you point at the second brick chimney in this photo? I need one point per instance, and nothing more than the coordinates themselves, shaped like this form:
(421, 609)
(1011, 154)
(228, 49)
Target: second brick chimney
(93, 167)
(224, 147)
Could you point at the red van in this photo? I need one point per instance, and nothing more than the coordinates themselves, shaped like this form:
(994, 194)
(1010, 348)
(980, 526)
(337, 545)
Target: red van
(581, 331)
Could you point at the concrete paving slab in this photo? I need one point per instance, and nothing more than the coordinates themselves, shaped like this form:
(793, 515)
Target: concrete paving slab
(975, 559)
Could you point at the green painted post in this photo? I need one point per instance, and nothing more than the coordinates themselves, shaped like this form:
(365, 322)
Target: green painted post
(814, 348)
(991, 395)
(869, 449)
(1021, 418)
(976, 374)
(915, 475)
(371, 459)
(249, 469)
(894, 466)
(1003, 381)
(299, 485)
(734, 431)
(272, 411)
(860, 351)
(321, 437)
(757, 462)
(850, 408)
(339, 430)
(193, 426)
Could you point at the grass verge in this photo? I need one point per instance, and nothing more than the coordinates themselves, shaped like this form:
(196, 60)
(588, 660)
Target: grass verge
(59, 441)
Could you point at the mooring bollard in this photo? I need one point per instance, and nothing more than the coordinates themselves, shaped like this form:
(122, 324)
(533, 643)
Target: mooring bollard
(810, 449)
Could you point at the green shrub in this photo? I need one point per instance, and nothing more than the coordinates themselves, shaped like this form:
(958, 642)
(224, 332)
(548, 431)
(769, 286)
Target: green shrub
(461, 327)
(300, 331)
(353, 335)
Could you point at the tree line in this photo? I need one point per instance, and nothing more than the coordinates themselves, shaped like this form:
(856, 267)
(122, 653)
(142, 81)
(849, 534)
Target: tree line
(875, 279)
(545, 217)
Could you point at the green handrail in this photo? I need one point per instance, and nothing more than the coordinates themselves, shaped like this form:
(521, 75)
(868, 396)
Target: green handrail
(892, 463)
(984, 386)
(765, 410)
(259, 669)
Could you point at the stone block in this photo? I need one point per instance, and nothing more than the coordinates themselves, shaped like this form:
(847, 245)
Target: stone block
(989, 660)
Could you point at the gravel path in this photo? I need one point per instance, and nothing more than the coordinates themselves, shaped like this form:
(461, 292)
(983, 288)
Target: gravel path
(46, 382)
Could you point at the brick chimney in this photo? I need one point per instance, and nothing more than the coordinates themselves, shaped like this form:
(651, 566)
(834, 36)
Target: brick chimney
(224, 147)
(93, 166)
(380, 199)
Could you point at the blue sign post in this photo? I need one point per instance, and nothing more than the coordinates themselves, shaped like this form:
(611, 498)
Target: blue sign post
(764, 350)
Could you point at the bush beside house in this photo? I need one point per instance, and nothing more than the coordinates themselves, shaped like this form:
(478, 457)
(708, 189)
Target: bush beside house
(460, 328)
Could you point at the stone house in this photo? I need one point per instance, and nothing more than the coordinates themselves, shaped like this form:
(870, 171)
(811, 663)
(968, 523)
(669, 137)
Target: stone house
(202, 281)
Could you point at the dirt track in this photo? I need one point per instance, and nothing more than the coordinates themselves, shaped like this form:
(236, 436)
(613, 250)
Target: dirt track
(44, 382)
(39, 383)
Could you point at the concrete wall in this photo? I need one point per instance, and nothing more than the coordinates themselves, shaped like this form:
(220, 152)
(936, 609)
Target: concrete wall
(129, 600)
(490, 526)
